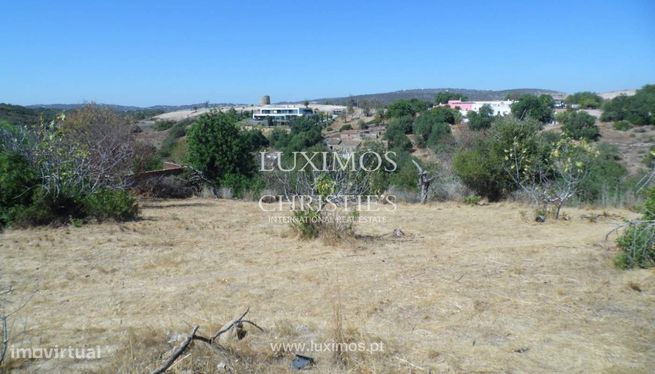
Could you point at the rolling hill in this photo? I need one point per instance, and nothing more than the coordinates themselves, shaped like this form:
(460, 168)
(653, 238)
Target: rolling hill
(429, 94)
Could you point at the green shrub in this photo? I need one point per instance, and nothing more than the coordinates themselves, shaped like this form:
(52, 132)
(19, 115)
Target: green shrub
(39, 212)
(472, 199)
(306, 223)
(111, 204)
(329, 225)
(216, 146)
(481, 120)
(433, 127)
(17, 179)
(648, 209)
(241, 184)
(164, 125)
(401, 124)
(539, 108)
(580, 125)
(48, 208)
(637, 241)
(637, 109)
(605, 174)
(346, 127)
(405, 176)
(586, 100)
(17, 183)
(402, 108)
(482, 168)
(622, 125)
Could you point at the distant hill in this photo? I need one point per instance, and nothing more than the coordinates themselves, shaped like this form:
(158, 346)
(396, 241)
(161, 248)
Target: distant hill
(612, 94)
(17, 114)
(429, 94)
(127, 108)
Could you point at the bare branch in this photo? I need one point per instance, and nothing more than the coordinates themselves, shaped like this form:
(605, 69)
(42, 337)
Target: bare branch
(177, 353)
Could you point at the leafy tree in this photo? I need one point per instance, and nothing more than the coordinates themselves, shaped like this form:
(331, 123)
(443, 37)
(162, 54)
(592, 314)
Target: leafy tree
(482, 168)
(402, 108)
(606, 175)
(586, 100)
(431, 128)
(580, 125)
(404, 177)
(217, 147)
(404, 124)
(481, 120)
(539, 108)
(255, 139)
(396, 134)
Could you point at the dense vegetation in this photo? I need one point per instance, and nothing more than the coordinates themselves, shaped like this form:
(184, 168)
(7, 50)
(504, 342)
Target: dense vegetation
(402, 108)
(70, 168)
(515, 155)
(639, 109)
(585, 100)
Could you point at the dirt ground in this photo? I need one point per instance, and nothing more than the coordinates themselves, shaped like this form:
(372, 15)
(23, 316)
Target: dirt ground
(466, 289)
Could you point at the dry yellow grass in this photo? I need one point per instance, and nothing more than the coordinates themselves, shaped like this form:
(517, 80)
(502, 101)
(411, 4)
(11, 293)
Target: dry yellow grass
(467, 289)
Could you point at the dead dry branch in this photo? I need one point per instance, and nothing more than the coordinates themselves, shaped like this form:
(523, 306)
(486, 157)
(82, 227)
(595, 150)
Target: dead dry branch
(235, 326)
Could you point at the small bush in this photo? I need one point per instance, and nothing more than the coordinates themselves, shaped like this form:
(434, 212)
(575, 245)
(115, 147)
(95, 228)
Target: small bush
(330, 225)
(637, 242)
(580, 125)
(306, 223)
(472, 199)
(622, 125)
(164, 125)
(111, 204)
(346, 127)
(240, 185)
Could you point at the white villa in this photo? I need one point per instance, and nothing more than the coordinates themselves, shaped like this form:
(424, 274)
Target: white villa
(280, 113)
(500, 107)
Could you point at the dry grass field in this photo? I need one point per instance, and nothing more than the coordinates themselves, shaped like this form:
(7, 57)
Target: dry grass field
(467, 289)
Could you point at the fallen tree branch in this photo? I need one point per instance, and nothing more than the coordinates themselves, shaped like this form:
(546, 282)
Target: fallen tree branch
(237, 323)
(177, 353)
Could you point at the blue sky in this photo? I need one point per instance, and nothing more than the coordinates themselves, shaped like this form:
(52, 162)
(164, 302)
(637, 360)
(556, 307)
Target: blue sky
(177, 52)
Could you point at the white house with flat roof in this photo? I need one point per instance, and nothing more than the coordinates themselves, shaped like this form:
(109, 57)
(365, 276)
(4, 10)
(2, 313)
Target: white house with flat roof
(280, 113)
(500, 107)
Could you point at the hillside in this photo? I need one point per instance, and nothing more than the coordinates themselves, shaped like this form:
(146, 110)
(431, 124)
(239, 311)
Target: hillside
(17, 114)
(429, 94)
